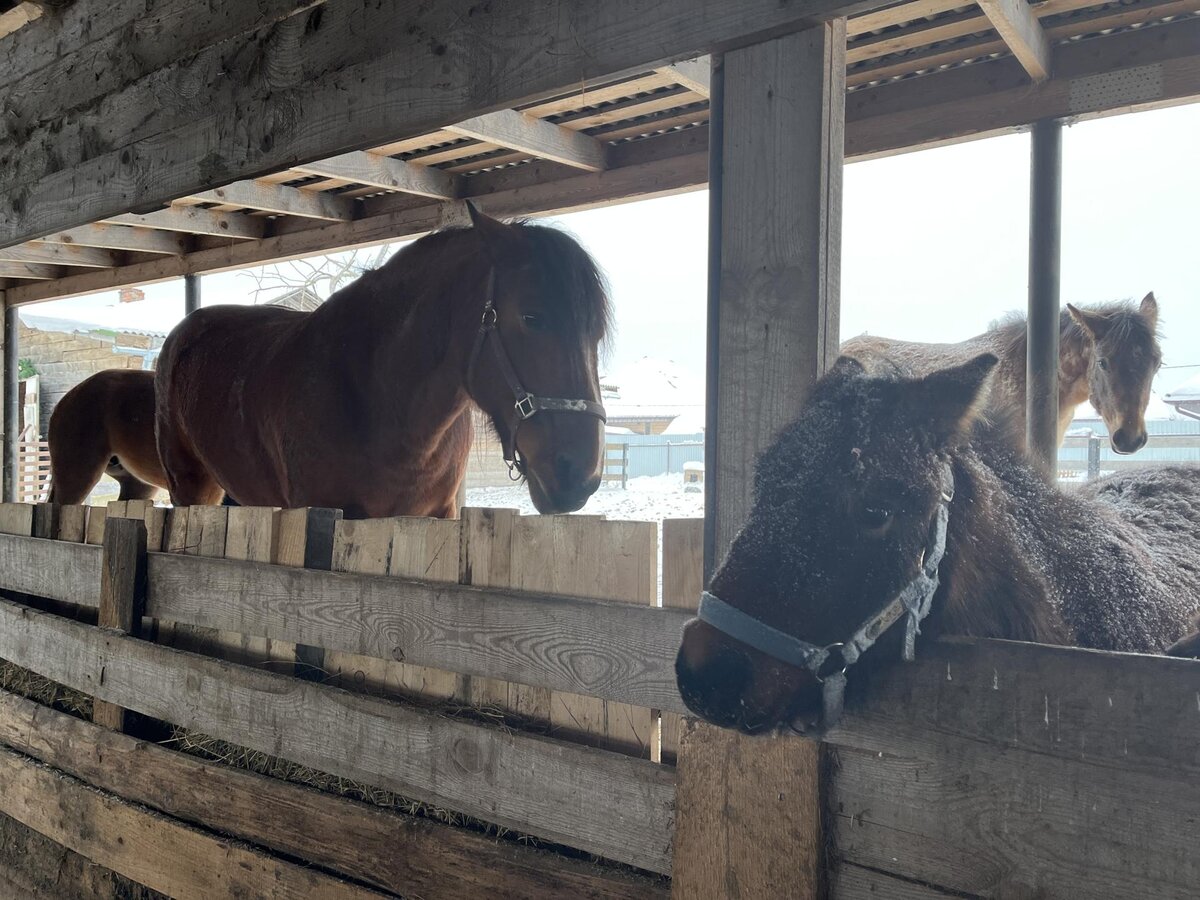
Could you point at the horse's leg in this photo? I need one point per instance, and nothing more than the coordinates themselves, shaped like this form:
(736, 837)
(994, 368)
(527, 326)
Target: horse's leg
(134, 488)
(189, 482)
(73, 477)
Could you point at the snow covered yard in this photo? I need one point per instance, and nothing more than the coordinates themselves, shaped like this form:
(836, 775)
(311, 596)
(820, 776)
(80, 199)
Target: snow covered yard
(650, 498)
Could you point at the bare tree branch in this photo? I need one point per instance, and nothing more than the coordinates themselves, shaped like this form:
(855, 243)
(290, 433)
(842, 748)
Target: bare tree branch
(322, 275)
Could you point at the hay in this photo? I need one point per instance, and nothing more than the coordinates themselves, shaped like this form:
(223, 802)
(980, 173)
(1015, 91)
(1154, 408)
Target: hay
(44, 691)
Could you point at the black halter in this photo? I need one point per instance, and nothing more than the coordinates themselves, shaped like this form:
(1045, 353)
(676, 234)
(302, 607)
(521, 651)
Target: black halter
(828, 664)
(527, 405)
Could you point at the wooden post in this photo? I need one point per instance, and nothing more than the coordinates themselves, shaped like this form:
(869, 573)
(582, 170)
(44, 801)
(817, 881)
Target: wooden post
(191, 293)
(319, 530)
(122, 594)
(748, 812)
(1045, 236)
(12, 400)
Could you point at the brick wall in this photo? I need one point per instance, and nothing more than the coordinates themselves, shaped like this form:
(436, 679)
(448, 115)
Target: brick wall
(64, 360)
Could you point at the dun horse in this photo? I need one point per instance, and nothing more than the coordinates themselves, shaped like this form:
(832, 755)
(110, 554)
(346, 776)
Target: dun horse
(890, 499)
(105, 424)
(365, 403)
(1108, 354)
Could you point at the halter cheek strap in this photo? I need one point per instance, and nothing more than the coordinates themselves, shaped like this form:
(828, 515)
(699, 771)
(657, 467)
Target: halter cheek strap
(912, 603)
(526, 405)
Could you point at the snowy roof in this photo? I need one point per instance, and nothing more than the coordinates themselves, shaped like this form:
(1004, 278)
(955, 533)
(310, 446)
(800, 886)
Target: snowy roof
(1188, 392)
(302, 299)
(75, 326)
(653, 389)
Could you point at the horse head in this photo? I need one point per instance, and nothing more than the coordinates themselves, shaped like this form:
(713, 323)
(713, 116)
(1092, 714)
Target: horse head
(534, 365)
(1124, 359)
(847, 503)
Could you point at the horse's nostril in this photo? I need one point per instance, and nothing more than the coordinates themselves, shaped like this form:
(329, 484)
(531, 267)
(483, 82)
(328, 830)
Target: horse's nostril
(716, 688)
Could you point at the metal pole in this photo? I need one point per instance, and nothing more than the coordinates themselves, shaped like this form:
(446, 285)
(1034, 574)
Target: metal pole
(1093, 458)
(191, 293)
(12, 401)
(716, 118)
(1045, 238)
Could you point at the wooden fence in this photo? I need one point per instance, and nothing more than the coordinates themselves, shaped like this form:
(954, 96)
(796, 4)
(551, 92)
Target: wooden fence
(985, 769)
(33, 471)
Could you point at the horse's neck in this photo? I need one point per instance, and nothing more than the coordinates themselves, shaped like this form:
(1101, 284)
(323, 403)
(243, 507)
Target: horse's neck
(1010, 343)
(407, 350)
(999, 540)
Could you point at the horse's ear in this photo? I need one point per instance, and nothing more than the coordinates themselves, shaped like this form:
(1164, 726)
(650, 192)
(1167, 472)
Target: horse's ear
(1149, 310)
(494, 232)
(846, 367)
(952, 399)
(1093, 323)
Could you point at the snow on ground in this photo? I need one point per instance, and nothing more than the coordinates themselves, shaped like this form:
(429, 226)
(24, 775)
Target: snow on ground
(649, 498)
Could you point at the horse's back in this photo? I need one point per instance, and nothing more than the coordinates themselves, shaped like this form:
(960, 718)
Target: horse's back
(912, 358)
(1158, 498)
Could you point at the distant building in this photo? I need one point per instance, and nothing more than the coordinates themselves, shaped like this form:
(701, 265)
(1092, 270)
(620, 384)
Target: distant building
(1186, 398)
(653, 396)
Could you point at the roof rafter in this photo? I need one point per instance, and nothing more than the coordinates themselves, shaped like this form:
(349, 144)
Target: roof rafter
(120, 237)
(33, 271)
(1021, 31)
(196, 220)
(381, 171)
(518, 131)
(281, 199)
(693, 74)
(60, 255)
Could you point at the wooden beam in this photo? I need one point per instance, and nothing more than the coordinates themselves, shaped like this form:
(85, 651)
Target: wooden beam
(693, 74)
(656, 167)
(615, 806)
(18, 17)
(402, 854)
(1018, 25)
(281, 199)
(774, 304)
(59, 255)
(196, 220)
(120, 237)
(122, 595)
(380, 171)
(57, 569)
(56, 176)
(1139, 69)
(450, 627)
(32, 271)
(517, 131)
(160, 853)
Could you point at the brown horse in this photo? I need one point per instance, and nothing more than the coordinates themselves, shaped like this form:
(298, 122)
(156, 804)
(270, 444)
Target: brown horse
(890, 499)
(105, 424)
(1108, 354)
(364, 404)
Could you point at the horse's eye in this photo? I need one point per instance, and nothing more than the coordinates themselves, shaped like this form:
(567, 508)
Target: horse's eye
(1103, 364)
(533, 322)
(874, 514)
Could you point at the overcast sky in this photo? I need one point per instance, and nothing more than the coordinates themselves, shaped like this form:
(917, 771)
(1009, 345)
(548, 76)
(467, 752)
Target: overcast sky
(934, 244)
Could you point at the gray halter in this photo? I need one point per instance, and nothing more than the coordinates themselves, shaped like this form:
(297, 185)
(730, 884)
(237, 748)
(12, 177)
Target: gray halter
(912, 603)
(527, 405)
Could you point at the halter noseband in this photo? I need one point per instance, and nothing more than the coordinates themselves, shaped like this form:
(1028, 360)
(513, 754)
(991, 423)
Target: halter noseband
(912, 603)
(527, 405)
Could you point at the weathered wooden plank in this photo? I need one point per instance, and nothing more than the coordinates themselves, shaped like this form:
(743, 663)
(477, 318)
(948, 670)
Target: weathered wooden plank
(96, 516)
(693, 74)
(195, 220)
(280, 199)
(983, 819)
(122, 592)
(1019, 27)
(604, 803)
(16, 519)
(31, 271)
(484, 63)
(518, 131)
(402, 854)
(377, 170)
(742, 787)
(60, 570)
(72, 524)
(682, 581)
(547, 641)
(120, 237)
(151, 849)
(59, 255)
(1123, 711)
(851, 882)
